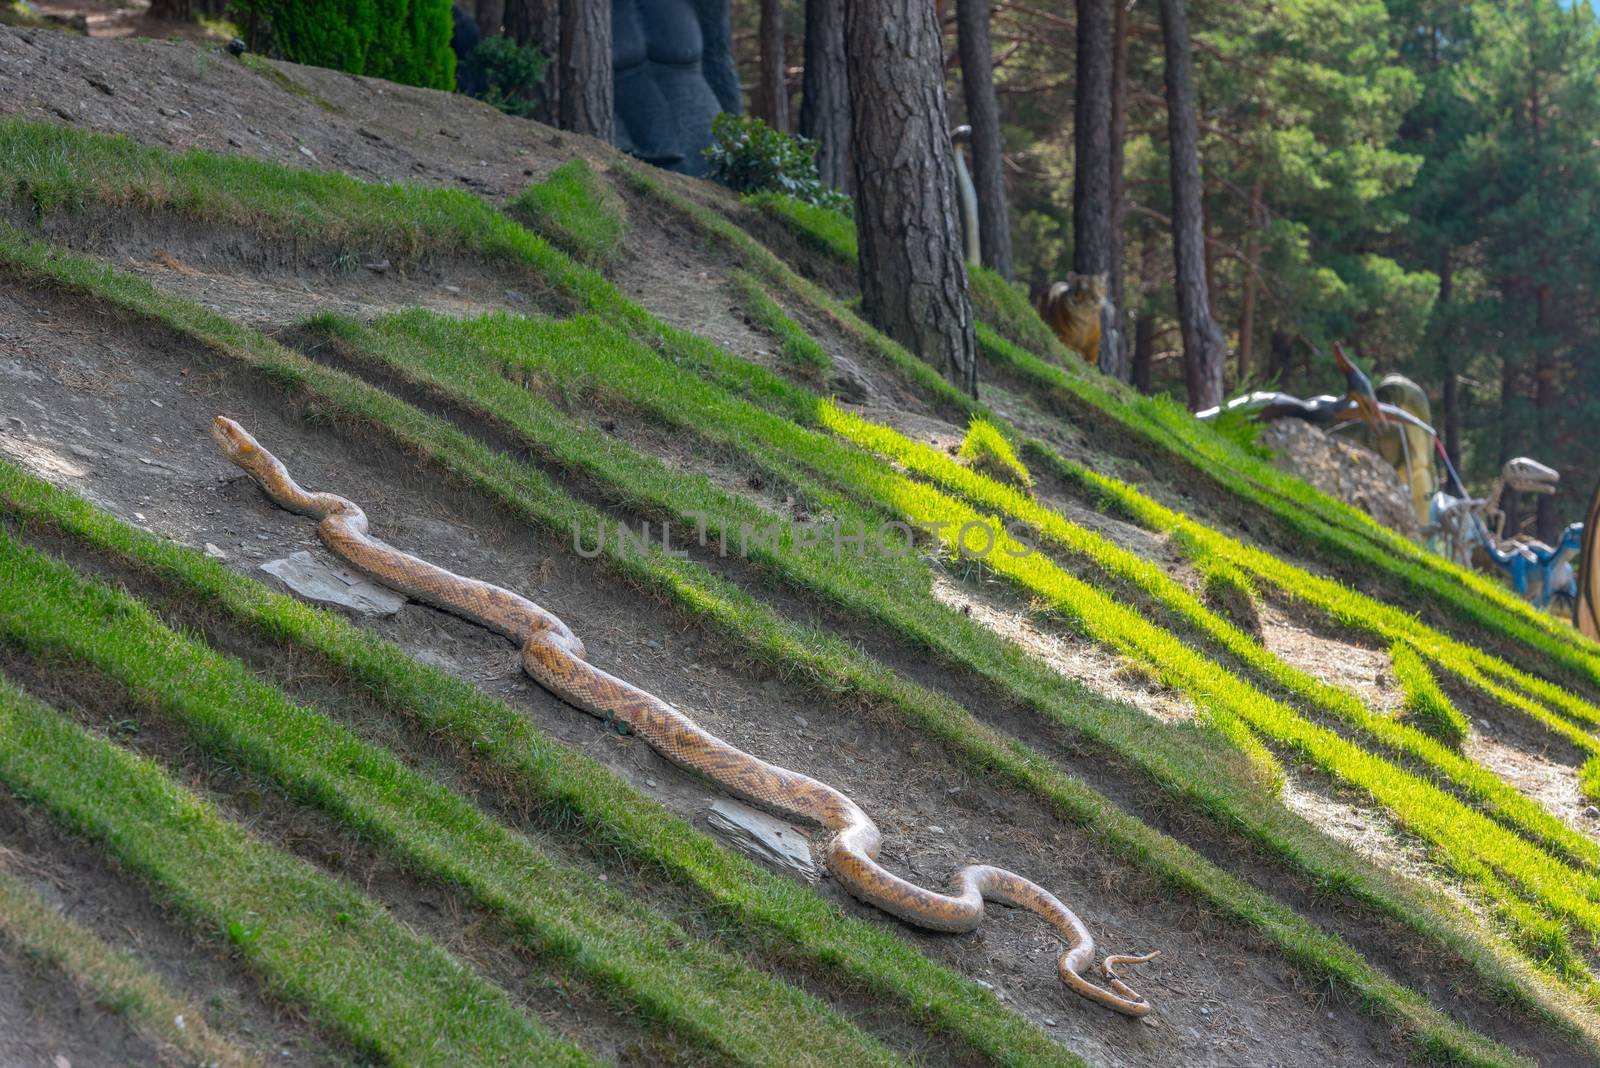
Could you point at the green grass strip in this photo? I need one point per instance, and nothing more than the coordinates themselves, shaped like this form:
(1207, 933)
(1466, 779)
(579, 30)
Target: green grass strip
(1168, 755)
(822, 228)
(648, 964)
(113, 977)
(392, 994)
(800, 347)
(575, 209)
(987, 451)
(1425, 705)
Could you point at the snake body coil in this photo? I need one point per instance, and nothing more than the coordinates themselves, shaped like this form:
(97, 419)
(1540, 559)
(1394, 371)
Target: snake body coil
(554, 656)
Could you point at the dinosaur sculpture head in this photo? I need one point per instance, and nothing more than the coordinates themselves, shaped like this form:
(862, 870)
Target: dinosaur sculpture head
(1358, 388)
(1524, 475)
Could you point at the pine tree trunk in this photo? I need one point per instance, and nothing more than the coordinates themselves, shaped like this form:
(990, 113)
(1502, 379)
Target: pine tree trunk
(1205, 350)
(913, 279)
(1114, 359)
(1252, 283)
(1508, 440)
(1144, 351)
(983, 114)
(1450, 400)
(1546, 526)
(169, 10)
(1091, 179)
(825, 93)
(538, 22)
(490, 15)
(773, 94)
(586, 84)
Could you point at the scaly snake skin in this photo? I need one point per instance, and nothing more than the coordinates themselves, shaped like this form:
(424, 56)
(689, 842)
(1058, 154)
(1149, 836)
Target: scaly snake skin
(554, 656)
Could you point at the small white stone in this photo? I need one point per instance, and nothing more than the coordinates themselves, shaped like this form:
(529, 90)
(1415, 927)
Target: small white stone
(934, 828)
(178, 1022)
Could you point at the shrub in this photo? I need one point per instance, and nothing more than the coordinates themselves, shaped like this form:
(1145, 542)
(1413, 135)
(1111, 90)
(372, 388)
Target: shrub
(405, 41)
(748, 156)
(512, 70)
(987, 452)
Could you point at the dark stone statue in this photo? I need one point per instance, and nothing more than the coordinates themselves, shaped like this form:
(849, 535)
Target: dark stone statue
(673, 62)
(470, 78)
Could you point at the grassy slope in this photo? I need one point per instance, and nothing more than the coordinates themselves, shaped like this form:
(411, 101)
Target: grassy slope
(388, 992)
(599, 298)
(842, 667)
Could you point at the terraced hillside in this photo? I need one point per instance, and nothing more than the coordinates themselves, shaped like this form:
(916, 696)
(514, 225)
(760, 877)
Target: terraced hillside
(1346, 790)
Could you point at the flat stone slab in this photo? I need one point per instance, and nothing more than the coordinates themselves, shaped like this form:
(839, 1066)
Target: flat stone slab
(316, 581)
(766, 838)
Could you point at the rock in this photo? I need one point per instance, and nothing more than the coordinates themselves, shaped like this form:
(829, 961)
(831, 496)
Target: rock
(307, 153)
(1344, 470)
(316, 581)
(1591, 812)
(766, 838)
(377, 266)
(214, 552)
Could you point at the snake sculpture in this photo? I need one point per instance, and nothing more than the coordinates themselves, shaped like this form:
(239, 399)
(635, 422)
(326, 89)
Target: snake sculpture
(555, 657)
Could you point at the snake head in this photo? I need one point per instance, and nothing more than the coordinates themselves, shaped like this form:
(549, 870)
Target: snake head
(234, 440)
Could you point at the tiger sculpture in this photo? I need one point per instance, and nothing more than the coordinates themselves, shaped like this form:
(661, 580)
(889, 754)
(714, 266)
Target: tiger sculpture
(1073, 311)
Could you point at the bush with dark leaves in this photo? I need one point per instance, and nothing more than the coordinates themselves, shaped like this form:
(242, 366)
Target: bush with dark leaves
(748, 156)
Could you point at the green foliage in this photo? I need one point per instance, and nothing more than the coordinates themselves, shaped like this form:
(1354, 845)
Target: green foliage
(987, 451)
(406, 41)
(512, 70)
(1426, 707)
(576, 210)
(748, 156)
